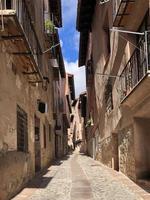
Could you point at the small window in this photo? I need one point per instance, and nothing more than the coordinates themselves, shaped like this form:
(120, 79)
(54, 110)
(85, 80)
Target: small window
(37, 129)
(44, 136)
(72, 118)
(22, 131)
(107, 40)
(49, 132)
(107, 35)
(9, 4)
(108, 97)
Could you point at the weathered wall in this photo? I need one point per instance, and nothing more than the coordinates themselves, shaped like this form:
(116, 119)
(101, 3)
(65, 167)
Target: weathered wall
(15, 171)
(105, 62)
(142, 147)
(126, 152)
(15, 90)
(17, 167)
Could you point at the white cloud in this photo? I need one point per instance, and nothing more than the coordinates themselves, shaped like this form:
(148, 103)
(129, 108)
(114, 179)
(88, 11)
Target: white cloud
(61, 43)
(79, 76)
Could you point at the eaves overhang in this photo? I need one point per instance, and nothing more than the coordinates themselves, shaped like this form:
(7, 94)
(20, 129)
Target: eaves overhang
(85, 12)
(56, 10)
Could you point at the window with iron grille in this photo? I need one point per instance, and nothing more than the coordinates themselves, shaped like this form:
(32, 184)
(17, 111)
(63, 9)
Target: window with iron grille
(22, 130)
(108, 97)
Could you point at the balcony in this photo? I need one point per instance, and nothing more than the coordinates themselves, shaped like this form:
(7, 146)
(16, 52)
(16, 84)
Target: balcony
(135, 78)
(21, 39)
(122, 9)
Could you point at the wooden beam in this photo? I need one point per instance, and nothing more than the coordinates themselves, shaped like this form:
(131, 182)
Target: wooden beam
(11, 37)
(21, 53)
(30, 73)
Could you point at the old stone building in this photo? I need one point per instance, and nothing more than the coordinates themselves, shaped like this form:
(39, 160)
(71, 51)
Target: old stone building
(76, 133)
(27, 74)
(59, 100)
(114, 47)
(70, 97)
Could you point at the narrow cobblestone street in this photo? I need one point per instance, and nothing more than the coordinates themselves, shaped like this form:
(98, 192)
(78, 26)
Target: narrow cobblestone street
(80, 177)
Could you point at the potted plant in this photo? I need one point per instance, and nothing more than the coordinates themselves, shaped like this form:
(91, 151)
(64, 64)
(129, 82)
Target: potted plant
(49, 26)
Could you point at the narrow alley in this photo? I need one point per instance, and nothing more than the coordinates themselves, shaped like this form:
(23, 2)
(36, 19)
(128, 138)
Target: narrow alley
(75, 99)
(80, 177)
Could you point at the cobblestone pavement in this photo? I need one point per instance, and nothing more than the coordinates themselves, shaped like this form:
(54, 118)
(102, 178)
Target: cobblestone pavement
(80, 177)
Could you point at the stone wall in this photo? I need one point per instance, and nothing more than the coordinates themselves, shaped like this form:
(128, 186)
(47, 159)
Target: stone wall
(126, 152)
(107, 153)
(15, 168)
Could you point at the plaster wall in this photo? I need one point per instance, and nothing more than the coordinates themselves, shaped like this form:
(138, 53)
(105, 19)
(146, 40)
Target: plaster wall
(104, 62)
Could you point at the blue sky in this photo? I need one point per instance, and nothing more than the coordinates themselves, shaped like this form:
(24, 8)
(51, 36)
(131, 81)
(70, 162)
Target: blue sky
(70, 44)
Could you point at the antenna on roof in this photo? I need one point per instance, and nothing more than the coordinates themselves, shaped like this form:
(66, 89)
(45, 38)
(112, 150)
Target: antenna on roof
(103, 1)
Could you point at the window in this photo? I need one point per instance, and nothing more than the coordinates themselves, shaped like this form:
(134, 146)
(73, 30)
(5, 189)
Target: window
(49, 132)
(89, 72)
(108, 97)
(9, 4)
(107, 36)
(44, 135)
(22, 131)
(37, 129)
(107, 40)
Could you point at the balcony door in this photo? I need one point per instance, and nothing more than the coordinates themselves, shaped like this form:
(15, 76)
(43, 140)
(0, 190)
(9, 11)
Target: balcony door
(142, 148)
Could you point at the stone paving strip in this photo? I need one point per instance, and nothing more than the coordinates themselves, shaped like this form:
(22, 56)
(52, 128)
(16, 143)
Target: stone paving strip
(80, 177)
(81, 187)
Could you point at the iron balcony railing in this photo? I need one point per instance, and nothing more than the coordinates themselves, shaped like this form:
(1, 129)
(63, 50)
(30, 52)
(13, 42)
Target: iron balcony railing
(137, 67)
(26, 23)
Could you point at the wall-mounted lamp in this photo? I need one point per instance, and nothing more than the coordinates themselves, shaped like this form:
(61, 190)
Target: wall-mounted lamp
(129, 32)
(103, 1)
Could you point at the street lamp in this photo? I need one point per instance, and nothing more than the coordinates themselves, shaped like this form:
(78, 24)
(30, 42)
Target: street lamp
(103, 1)
(121, 31)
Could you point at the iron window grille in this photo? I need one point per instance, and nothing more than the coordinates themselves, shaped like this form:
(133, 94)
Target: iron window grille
(108, 97)
(22, 130)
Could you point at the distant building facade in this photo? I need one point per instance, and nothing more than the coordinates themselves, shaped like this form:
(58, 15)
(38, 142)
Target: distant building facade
(76, 133)
(117, 68)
